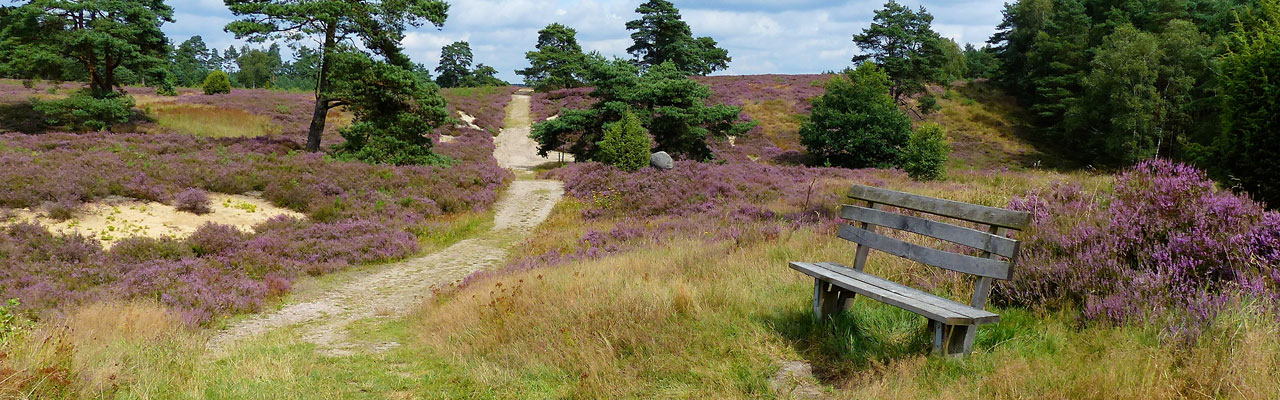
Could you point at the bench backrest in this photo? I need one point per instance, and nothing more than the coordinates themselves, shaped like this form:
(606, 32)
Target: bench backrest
(998, 251)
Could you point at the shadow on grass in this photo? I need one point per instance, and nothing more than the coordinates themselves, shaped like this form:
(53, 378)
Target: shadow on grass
(866, 334)
(1049, 153)
(22, 118)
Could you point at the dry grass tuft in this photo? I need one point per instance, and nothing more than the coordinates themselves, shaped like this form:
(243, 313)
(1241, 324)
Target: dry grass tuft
(211, 121)
(778, 121)
(97, 350)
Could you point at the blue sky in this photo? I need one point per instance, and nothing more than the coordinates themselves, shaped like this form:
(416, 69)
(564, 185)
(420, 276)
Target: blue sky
(762, 36)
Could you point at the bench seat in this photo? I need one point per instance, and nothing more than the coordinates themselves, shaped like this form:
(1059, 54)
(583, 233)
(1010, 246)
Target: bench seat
(943, 310)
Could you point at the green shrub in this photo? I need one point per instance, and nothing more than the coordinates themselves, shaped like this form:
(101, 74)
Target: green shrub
(626, 144)
(928, 104)
(166, 89)
(925, 157)
(29, 83)
(11, 322)
(381, 145)
(217, 82)
(855, 123)
(82, 111)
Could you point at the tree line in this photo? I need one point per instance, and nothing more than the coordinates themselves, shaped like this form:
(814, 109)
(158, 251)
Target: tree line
(1119, 82)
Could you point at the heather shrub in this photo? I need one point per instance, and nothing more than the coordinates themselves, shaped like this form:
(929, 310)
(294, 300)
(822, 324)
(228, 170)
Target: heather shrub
(212, 239)
(925, 157)
(61, 210)
(372, 213)
(626, 144)
(193, 200)
(856, 123)
(1164, 246)
(81, 111)
(140, 249)
(217, 82)
(486, 104)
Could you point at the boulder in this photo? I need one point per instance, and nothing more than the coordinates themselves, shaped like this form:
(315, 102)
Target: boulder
(661, 160)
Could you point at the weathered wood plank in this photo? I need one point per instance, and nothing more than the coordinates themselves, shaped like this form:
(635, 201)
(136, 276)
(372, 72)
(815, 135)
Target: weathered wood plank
(980, 240)
(938, 258)
(979, 315)
(922, 303)
(948, 208)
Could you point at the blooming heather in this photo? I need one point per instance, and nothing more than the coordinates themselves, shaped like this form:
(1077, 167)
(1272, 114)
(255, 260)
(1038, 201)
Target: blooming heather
(358, 213)
(1164, 245)
(487, 104)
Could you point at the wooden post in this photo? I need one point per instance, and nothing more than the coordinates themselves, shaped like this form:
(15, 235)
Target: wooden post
(955, 337)
(861, 252)
(980, 292)
(827, 299)
(860, 255)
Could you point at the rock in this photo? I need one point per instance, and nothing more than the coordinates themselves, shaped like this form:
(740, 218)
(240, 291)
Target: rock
(661, 160)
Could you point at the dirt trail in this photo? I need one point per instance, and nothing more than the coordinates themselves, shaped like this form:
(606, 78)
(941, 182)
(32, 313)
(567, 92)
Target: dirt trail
(515, 149)
(391, 290)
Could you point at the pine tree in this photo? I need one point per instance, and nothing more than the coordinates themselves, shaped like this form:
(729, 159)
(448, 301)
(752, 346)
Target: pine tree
(103, 38)
(379, 27)
(557, 62)
(662, 36)
(903, 44)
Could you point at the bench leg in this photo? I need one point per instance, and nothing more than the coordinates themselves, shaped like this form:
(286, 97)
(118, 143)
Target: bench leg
(827, 299)
(951, 339)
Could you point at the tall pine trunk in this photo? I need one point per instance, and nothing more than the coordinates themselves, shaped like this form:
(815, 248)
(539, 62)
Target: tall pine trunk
(322, 91)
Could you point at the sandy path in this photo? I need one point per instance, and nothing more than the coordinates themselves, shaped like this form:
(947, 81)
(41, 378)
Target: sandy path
(515, 149)
(391, 290)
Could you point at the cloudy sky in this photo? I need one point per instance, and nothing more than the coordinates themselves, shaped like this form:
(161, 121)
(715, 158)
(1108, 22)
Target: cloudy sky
(762, 36)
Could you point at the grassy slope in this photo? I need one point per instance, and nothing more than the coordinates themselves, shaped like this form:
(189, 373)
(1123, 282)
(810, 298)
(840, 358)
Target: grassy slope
(684, 319)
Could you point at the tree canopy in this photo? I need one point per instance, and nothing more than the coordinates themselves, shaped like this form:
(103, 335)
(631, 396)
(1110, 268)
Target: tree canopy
(455, 64)
(377, 25)
(661, 36)
(902, 42)
(192, 61)
(666, 102)
(101, 39)
(455, 68)
(1249, 143)
(557, 61)
(1117, 81)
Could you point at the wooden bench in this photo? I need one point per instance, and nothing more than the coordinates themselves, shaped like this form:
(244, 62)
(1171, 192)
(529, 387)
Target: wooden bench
(952, 324)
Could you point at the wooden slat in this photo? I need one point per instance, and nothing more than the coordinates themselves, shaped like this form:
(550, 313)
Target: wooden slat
(980, 240)
(860, 255)
(979, 315)
(947, 208)
(938, 258)
(913, 305)
(932, 307)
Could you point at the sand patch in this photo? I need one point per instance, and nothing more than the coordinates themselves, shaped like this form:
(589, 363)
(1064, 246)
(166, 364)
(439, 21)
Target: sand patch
(470, 121)
(112, 220)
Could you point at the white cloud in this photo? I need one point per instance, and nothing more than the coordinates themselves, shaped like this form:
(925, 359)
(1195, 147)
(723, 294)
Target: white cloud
(762, 36)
